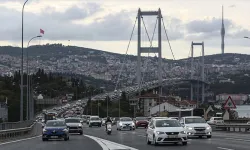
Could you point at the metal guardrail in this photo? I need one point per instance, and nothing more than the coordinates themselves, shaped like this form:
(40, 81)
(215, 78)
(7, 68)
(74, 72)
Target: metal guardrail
(11, 133)
(15, 125)
(228, 127)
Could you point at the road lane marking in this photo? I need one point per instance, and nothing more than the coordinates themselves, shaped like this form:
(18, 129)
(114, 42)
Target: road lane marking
(224, 148)
(123, 133)
(246, 140)
(109, 145)
(20, 140)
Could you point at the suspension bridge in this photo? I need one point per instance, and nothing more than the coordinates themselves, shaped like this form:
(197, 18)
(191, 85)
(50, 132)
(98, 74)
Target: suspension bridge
(193, 74)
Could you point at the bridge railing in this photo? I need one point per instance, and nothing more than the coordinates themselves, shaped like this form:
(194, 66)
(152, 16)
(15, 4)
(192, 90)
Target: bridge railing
(15, 125)
(18, 129)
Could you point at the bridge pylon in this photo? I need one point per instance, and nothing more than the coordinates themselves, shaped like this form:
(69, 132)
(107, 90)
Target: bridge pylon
(150, 49)
(202, 71)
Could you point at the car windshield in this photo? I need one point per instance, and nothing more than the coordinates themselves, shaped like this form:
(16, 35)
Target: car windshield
(194, 120)
(141, 118)
(55, 124)
(95, 118)
(125, 119)
(72, 120)
(167, 123)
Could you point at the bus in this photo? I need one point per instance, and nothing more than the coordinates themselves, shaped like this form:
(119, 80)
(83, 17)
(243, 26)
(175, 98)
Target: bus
(188, 112)
(49, 116)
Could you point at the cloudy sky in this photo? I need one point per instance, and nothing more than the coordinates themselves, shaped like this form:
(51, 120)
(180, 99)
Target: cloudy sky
(108, 24)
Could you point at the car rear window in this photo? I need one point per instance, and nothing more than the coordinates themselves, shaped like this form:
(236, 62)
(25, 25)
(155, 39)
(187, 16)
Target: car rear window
(141, 118)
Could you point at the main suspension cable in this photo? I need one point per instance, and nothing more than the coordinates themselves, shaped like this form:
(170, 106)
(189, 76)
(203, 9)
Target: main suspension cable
(118, 78)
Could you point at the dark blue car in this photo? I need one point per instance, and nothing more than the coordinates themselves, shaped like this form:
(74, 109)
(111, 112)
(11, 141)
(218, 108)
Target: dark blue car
(55, 129)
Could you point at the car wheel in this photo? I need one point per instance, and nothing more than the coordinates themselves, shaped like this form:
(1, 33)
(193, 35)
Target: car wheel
(200, 137)
(65, 139)
(81, 133)
(148, 142)
(90, 126)
(209, 136)
(184, 143)
(44, 139)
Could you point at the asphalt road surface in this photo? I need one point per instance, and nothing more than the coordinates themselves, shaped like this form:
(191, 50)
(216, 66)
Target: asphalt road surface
(96, 139)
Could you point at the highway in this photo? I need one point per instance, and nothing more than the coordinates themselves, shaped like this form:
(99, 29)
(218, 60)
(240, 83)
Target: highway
(96, 139)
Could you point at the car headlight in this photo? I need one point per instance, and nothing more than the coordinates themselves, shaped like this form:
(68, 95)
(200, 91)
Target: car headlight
(65, 130)
(190, 128)
(208, 128)
(44, 130)
(133, 124)
(159, 132)
(80, 125)
(183, 132)
(120, 124)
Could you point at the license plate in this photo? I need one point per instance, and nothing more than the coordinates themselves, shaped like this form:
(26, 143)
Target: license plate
(53, 137)
(200, 132)
(173, 136)
(143, 124)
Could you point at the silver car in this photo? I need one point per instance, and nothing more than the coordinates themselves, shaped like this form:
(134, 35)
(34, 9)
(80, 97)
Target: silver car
(74, 125)
(125, 123)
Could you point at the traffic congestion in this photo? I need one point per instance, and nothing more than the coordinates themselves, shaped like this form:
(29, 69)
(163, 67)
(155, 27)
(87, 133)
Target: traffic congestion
(61, 122)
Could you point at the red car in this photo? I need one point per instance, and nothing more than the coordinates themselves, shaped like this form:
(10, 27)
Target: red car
(141, 122)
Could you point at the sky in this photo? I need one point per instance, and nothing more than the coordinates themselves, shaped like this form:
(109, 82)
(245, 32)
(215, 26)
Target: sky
(108, 24)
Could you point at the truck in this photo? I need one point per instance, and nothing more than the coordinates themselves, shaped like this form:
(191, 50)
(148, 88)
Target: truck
(49, 116)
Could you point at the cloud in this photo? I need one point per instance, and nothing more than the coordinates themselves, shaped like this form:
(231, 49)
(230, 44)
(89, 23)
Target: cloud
(211, 28)
(207, 25)
(61, 26)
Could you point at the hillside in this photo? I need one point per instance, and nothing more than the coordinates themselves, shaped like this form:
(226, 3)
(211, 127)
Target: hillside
(103, 65)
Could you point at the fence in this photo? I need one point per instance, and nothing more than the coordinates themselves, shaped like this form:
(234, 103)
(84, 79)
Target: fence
(16, 129)
(15, 125)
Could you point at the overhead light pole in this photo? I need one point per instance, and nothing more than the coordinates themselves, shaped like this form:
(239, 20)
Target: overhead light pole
(28, 107)
(21, 95)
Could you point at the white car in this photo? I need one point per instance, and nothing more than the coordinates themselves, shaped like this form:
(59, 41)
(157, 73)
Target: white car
(166, 130)
(95, 121)
(196, 126)
(215, 120)
(125, 123)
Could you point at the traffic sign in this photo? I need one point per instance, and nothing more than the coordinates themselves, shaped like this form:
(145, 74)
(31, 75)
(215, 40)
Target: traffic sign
(229, 104)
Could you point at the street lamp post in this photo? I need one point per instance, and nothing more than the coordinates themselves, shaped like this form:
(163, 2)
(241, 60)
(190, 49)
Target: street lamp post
(120, 103)
(21, 95)
(98, 106)
(107, 98)
(27, 67)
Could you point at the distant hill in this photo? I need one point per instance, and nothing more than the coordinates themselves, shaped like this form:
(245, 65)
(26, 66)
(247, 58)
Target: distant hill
(101, 64)
(59, 50)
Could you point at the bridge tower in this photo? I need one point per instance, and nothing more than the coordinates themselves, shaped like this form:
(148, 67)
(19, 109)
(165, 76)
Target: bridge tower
(202, 71)
(151, 49)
